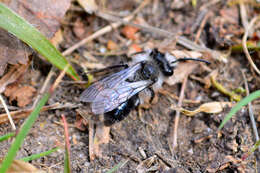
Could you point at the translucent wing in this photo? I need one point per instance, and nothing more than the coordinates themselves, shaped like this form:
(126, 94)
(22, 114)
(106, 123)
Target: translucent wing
(110, 98)
(109, 82)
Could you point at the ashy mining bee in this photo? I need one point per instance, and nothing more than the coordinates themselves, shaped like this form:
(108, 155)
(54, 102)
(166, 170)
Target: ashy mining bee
(117, 94)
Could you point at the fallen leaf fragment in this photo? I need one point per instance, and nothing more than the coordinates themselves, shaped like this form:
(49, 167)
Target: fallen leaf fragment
(12, 76)
(21, 166)
(79, 28)
(211, 108)
(10, 89)
(134, 48)
(111, 45)
(12, 51)
(23, 95)
(129, 32)
(102, 134)
(182, 70)
(57, 38)
(182, 54)
(80, 123)
(45, 15)
(89, 6)
(101, 137)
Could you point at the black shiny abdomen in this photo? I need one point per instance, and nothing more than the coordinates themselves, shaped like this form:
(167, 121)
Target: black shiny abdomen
(121, 111)
(164, 65)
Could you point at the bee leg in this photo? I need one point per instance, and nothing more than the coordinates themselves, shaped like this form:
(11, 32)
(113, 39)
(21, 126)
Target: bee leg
(154, 97)
(152, 94)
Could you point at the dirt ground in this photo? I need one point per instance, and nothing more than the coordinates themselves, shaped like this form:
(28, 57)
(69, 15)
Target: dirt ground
(143, 140)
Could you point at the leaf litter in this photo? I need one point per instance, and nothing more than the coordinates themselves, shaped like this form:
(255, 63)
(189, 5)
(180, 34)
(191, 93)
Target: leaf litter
(44, 15)
(100, 148)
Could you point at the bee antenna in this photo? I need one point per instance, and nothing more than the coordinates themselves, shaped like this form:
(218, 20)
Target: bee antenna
(193, 59)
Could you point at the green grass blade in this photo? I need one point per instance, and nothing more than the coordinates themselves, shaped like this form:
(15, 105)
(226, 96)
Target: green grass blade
(36, 156)
(67, 168)
(22, 134)
(6, 136)
(239, 105)
(13, 23)
(257, 144)
(115, 168)
(245, 156)
(67, 162)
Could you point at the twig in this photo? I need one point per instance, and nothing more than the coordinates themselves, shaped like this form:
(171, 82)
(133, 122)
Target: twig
(203, 22)
(10, 107)
(245, 46)
(198, 20)
(8, 113)
(243, 14)
(91, 140)
(59, 78)
(104, 30)
(209, 4)
(250, 110)
(25, 112)
(147, 28)
(173, 96)
(177, 116)
(67, 142)
(44, 86)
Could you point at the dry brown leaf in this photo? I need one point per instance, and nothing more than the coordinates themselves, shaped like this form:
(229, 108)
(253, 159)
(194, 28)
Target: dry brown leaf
(101, 137)
(19, 166)
(12, 76)
(79, 29)
(22, 94)
(211, 108)
(44, 15)
(129, 32)
(111, 45)
(10, 89)
(183, 69)
(12, 51)
(102, 134)
(57, 38)
(230, 15)
(134, 48)
(183, 53)
(89, 6)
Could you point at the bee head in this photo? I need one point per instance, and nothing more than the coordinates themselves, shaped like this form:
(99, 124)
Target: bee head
(166, 62)
(162, 62)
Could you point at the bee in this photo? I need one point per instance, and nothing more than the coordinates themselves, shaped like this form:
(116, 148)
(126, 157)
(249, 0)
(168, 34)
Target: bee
(117, 94)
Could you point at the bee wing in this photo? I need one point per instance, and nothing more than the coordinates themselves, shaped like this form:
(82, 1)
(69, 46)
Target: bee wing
(108, 82)
(109, 99)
